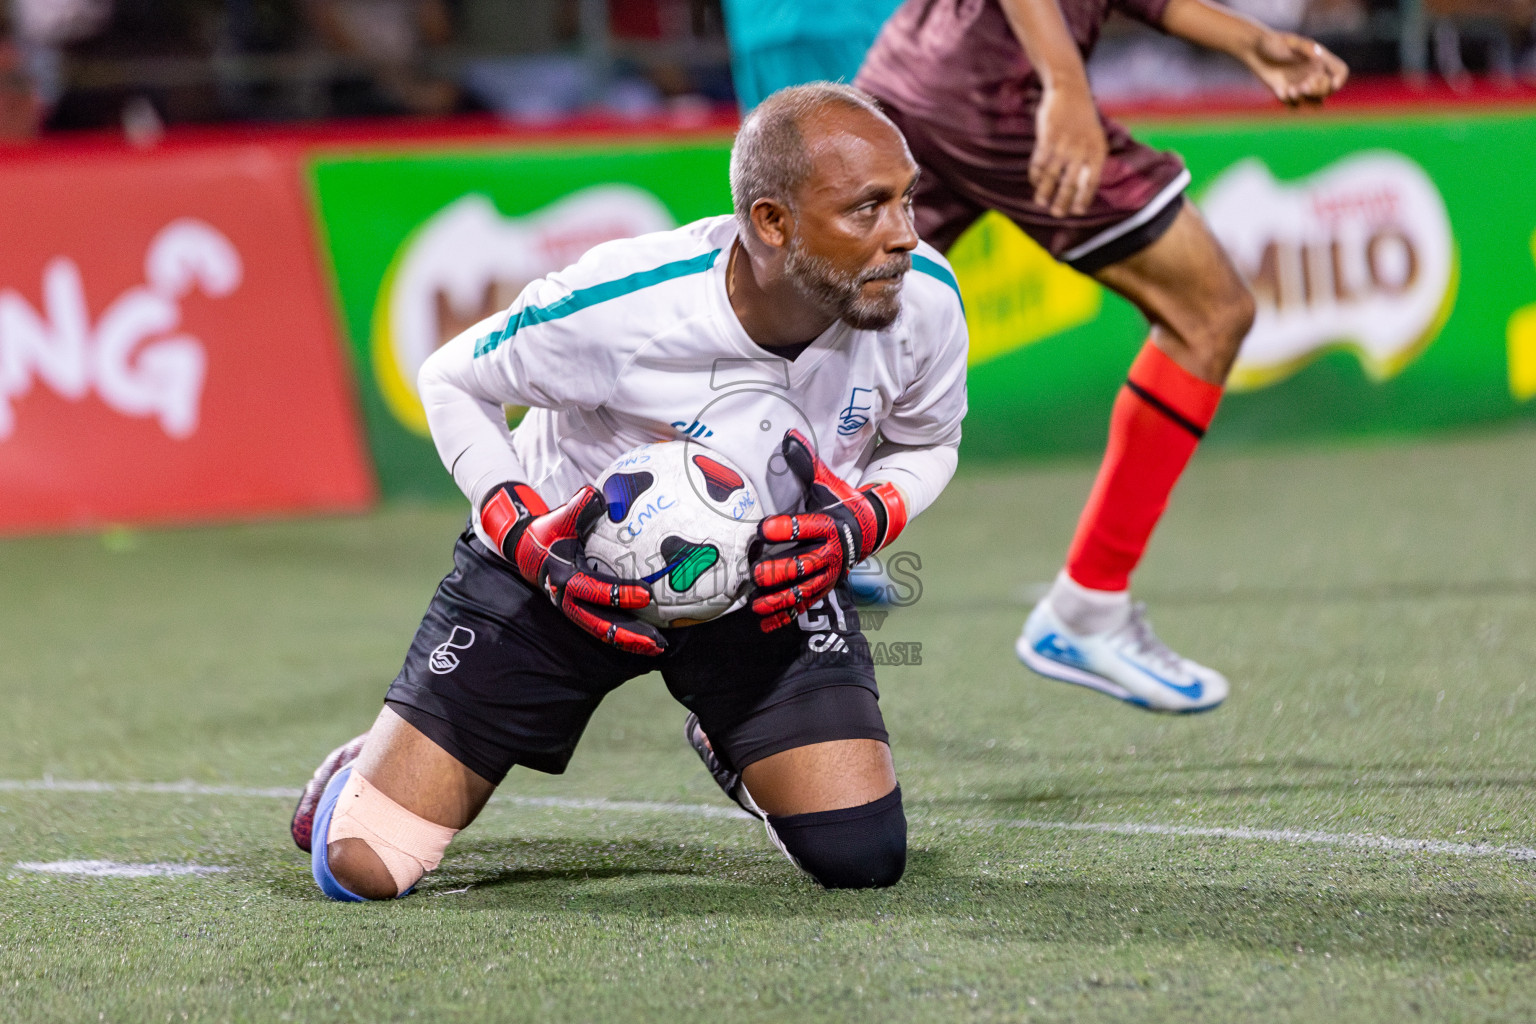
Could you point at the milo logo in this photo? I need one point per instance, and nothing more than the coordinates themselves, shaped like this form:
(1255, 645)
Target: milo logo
(467, 262)
(1359, 256)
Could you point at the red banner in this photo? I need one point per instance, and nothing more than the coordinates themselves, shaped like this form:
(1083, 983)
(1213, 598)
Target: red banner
(167, 348)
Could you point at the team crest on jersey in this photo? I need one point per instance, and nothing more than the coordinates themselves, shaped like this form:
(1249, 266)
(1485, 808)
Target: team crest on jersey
(854, 416)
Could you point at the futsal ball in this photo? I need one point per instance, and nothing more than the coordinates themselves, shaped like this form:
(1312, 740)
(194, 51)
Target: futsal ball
(683, 519)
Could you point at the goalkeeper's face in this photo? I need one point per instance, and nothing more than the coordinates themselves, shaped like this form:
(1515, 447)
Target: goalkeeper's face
(853, 233)
(868, 299)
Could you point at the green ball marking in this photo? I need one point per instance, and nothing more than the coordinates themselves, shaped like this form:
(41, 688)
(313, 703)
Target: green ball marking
(693, 565)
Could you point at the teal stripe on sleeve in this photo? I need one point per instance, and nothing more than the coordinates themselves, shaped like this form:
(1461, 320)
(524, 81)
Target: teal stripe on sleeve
(582, 298)
(924, 265)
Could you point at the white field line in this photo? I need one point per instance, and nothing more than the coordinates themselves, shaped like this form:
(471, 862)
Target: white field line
(171, 788)
(1291, 837)
(114, 869)
(286, 793)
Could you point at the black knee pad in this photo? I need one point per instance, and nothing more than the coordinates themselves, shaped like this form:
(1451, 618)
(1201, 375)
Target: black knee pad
(850, 848)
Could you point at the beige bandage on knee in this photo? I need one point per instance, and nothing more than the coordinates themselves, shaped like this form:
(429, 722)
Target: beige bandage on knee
(408, 844)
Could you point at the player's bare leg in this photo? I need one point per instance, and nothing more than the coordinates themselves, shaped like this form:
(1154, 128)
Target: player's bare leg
(1186, 285)
(1087, 631)
(821, 777)
(424, 782)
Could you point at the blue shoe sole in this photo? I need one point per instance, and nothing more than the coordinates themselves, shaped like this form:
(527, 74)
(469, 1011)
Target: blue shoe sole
(1063, 673)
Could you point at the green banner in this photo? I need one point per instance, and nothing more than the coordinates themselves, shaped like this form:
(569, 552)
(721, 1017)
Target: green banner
(1394, 263)
(1393, 258)
(425, 245)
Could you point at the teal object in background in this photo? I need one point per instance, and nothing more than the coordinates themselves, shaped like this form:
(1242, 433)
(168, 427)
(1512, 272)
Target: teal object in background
(778, 43)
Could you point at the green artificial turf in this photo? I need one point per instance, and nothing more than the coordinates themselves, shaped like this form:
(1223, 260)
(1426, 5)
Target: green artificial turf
(1374, 606)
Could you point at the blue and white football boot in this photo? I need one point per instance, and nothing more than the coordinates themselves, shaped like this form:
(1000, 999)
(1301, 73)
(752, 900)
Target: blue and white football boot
(1127, 662)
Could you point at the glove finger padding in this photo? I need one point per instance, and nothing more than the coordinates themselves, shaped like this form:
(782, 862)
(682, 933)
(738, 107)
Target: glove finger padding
(796, 597)
(630, 635)
(800, 458)
(817, 549)
(550, 554)
(600, 605)
(592, 586)
(799, 526)
(841, 526)
(791, 581)
(776, 621)
(826, 492)
(556, 534)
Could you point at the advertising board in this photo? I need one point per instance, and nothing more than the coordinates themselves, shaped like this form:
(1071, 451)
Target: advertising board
(425, 245)
(1391, 254)
(1393, 258)
(166, 346)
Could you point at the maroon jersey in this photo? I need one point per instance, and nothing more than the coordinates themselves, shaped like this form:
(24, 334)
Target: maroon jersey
(957, 82)
(954, 57)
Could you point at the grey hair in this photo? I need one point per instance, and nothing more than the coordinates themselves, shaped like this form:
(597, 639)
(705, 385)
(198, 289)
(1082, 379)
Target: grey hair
(769, 159)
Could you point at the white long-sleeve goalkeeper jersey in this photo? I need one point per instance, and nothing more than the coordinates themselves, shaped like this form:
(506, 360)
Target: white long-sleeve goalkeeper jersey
(637, 342)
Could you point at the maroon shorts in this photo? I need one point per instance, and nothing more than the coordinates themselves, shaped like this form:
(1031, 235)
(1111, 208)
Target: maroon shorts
(966, 174)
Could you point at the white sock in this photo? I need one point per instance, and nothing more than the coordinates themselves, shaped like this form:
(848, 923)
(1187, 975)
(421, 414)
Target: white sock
(1083, 610)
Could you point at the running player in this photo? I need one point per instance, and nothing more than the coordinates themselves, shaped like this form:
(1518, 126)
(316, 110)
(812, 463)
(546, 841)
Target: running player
(817, 289)
(994, 102)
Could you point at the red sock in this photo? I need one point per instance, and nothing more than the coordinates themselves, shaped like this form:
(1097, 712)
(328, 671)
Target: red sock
(1159, 417)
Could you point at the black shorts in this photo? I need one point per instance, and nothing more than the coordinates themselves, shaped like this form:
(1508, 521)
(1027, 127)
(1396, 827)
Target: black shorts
(497, 676)
(966, 173)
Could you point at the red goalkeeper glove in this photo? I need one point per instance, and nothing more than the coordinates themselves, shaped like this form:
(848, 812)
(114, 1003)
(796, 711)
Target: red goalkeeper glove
(840, 528)
(546, 547)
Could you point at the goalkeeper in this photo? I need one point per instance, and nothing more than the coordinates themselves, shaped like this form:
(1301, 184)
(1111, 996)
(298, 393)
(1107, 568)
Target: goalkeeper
(819, 293)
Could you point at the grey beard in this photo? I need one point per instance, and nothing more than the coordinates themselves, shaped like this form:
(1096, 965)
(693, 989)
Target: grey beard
(842, 294)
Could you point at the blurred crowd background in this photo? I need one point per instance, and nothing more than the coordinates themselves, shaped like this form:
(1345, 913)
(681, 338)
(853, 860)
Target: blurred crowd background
(71, 65)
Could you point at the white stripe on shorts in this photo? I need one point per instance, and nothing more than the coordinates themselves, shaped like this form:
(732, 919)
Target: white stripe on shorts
(1156, 206)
